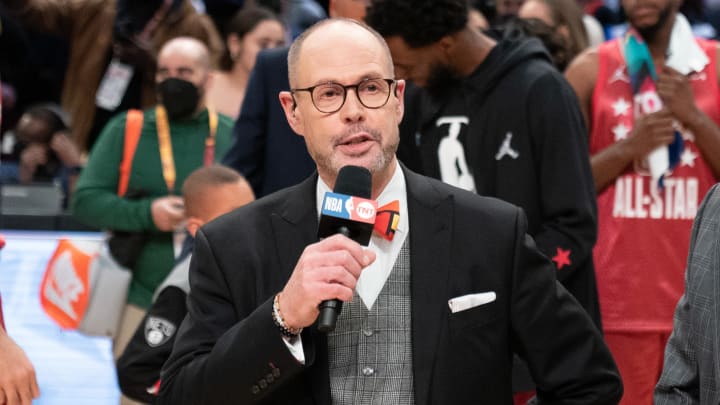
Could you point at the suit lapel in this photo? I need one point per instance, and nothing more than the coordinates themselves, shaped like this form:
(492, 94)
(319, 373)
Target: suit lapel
(295, 224)
(295, 227)
(430, 223)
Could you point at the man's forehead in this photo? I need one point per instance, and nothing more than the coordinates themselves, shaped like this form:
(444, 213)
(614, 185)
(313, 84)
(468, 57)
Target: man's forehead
(188, 53)
(176, 57)
(175, 64)
(354, 51)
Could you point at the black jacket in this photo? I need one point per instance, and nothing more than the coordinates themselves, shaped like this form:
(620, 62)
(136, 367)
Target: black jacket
(138, 368)
(517, 97)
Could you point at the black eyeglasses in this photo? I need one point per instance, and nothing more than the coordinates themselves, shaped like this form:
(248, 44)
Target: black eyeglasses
(330, 97)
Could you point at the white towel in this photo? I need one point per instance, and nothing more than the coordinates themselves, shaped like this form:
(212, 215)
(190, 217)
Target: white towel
(684, 53)
(685, 56)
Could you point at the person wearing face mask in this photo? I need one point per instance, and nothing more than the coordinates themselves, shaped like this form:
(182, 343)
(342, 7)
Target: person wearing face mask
(178, 135)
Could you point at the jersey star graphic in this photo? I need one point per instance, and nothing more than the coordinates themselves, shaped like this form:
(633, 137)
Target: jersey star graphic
(620, 131)
(688, 158)
(562, 258)
(620, 107)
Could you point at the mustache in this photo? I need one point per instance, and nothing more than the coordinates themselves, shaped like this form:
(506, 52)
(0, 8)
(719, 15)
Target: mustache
(349, 132)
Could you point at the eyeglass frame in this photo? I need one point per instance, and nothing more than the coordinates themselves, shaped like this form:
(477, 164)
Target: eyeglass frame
(355, 86)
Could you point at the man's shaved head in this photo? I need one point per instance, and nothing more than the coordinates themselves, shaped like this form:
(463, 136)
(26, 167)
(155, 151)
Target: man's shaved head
(189, 47)
(329, 24)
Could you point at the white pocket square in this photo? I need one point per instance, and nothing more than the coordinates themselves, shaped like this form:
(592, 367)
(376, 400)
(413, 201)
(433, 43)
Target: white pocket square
(465, 302)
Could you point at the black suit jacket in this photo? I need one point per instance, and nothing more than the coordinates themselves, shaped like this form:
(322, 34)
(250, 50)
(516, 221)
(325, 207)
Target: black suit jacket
(229, 351)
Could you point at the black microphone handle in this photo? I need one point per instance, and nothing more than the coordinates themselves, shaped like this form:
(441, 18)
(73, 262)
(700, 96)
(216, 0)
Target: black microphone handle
(330, 309)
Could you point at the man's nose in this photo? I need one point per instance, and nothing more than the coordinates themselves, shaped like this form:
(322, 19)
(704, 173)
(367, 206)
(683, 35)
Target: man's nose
(352, 110)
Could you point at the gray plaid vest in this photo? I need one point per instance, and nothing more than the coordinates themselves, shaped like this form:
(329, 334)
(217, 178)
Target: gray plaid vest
(370, 351)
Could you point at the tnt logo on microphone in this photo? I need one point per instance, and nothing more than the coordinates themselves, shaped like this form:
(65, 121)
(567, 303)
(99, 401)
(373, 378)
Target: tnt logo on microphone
(349, 207)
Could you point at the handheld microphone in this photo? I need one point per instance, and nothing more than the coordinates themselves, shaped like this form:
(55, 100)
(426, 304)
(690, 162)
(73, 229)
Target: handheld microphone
(348, 210)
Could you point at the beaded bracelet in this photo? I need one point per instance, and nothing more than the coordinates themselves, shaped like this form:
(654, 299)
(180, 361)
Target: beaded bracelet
(290, 333)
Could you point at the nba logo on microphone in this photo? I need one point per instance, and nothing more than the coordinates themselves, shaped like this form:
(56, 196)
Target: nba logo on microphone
(349, 207)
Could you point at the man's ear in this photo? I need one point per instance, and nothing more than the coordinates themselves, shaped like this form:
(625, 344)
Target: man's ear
(446, 45)
(400, 95)
(193, 224)
(292, 114)
(448, 49)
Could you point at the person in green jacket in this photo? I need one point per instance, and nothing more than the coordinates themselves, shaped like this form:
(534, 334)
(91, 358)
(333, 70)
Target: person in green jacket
(177, 136)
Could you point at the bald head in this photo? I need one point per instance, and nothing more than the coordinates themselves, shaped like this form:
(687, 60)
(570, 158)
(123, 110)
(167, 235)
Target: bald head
(186, 47)
(214, 190)
(328, 34)
(209, 192)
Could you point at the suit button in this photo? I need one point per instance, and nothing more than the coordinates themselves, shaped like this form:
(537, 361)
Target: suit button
(276, 372)
(368, 371)
(368, 332)
(255, 389)
(262, 383)
(269, 378)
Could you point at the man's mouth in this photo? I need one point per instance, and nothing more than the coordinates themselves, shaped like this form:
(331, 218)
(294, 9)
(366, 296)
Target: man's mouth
(356, 144)
(356, 139)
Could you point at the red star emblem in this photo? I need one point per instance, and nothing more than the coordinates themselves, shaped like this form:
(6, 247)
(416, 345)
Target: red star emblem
(562, 258)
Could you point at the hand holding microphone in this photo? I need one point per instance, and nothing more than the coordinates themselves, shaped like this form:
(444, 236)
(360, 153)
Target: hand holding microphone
(328, 270)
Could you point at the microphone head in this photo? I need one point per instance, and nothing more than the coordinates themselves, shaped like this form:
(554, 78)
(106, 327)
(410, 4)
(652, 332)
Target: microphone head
(355, 181)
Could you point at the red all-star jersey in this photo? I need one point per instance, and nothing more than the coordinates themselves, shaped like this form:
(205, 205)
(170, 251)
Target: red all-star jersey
(643, 238)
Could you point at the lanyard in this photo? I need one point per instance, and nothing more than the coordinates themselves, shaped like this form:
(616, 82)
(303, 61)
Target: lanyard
(165, 144)
(209, 155)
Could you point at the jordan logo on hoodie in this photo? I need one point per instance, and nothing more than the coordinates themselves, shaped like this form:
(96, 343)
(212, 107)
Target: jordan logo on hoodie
(506, 149)
(451, 154)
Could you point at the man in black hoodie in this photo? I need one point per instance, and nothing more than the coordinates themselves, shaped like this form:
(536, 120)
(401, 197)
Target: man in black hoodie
(501, 121)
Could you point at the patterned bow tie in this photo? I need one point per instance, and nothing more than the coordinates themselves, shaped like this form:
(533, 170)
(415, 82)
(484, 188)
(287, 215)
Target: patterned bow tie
(387, 219)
